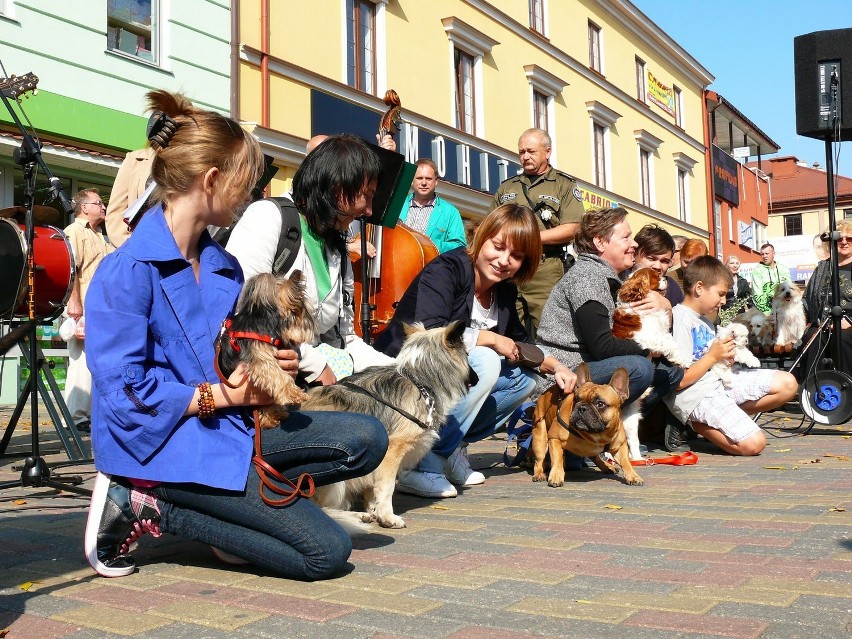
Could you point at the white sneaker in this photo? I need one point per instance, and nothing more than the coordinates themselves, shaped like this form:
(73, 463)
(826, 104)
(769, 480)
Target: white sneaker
(458, 470)
(415, 482)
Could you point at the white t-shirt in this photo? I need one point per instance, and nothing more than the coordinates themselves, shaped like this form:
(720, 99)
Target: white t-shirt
(693, 334)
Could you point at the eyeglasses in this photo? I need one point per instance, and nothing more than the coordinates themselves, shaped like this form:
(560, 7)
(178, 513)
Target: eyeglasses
(96, 203)
(844, 238)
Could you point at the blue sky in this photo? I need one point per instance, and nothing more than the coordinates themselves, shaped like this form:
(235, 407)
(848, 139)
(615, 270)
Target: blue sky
(748, 46)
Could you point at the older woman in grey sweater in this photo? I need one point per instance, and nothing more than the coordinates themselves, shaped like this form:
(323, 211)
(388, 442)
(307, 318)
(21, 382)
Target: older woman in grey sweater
(576, 323)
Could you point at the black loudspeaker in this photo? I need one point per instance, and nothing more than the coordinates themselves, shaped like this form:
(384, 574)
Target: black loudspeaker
(823, 67)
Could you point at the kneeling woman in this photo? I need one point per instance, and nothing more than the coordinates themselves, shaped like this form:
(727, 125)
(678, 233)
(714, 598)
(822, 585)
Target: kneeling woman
(172, 450)
(476, 285)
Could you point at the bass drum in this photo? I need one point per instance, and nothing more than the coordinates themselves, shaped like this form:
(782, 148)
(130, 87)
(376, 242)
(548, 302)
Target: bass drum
(54, 271)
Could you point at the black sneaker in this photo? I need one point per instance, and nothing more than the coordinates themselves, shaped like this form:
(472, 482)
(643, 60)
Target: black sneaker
(118, 516)
(675, 436)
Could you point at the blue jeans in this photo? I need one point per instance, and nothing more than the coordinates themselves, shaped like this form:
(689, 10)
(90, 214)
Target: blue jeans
(298, 541)
(640, 369)
(501, 388)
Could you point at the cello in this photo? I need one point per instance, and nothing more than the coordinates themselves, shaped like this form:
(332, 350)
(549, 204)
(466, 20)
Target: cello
(401, 253)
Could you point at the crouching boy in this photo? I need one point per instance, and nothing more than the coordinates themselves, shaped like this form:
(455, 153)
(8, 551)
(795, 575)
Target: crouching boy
(719, 414)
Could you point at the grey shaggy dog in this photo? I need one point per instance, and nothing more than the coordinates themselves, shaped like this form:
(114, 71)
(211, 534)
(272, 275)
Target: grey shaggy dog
(430, 377)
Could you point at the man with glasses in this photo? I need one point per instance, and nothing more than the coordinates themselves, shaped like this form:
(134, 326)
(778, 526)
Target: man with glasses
(89, 246)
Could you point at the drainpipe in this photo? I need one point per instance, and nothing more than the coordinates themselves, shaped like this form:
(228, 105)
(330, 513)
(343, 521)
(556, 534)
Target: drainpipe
(264, 63)
(708, 165)
(235, 61)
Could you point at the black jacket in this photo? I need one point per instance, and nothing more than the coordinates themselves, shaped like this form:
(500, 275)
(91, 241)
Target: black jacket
(443, 293)
(743, 291)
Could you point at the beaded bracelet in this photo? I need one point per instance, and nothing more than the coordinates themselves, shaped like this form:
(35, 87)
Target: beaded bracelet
(206, 405)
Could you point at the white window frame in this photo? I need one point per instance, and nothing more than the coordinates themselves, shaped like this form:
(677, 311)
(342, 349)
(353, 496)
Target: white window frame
(649, 144)
(545, 26)
(730, 220)
(159, 53)
(678, 100)
(683, 165)
(550, 86)
(464, 37)
(604, 117)
(380, 69)
(7, 9)
(599, 50)
(641, 80)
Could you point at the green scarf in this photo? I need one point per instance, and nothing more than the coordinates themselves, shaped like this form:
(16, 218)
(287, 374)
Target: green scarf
(315, 248)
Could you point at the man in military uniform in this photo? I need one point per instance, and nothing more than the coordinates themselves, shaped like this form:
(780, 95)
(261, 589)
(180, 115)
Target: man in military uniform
(557, 202)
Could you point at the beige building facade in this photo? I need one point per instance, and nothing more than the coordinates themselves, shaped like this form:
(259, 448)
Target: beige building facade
(621, 100)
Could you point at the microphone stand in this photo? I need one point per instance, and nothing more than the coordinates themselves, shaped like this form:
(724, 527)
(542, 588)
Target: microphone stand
(35, 471)
(836, 310)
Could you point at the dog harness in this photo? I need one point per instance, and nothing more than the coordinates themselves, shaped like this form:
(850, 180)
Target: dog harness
(233, 336)
(424, 395)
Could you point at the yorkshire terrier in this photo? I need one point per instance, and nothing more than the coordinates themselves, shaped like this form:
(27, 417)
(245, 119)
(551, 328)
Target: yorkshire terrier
(272, 313)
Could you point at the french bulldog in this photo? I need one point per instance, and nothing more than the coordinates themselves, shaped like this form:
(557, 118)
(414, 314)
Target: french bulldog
(586, 422)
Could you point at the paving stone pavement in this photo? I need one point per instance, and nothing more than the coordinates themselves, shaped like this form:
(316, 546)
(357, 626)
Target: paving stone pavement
(731, 547)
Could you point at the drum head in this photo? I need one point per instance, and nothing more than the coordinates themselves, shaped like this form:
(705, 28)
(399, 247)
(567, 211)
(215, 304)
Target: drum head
(13, 266)
(825, 397)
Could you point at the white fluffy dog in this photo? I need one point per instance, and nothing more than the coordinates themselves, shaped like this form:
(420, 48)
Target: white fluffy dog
(758, 326)
(742, 354)
(649, 330)
(788, 315)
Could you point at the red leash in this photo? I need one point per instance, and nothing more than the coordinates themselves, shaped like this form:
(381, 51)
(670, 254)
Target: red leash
(684, 459)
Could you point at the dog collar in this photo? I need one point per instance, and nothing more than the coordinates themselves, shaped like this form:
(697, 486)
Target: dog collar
(233, 336)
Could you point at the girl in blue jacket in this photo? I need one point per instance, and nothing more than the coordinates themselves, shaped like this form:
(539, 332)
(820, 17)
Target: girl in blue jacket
(172, 450)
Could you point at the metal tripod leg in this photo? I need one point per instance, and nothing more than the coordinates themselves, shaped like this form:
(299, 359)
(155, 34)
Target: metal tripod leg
(76, 449)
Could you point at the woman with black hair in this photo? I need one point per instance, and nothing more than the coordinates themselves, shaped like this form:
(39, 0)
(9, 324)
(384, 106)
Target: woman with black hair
(333, 186)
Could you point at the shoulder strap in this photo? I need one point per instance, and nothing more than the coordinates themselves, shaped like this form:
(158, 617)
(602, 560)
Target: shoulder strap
(290, 237)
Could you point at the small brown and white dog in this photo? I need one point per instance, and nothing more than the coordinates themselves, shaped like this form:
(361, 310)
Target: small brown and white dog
(412, 398)
(272, 313)
(742, 354)
(649, 330)
(787, 315)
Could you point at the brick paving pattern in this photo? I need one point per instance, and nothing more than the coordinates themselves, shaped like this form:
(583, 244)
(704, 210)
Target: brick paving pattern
(741, 548)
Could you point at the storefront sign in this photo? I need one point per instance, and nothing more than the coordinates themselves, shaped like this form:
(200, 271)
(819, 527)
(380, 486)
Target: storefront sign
(746, 235)
(725, 177)
(592, 200)
(459, 163)
(660, 94)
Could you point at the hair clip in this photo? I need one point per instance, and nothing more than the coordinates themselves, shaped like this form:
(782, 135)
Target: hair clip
(161, 128)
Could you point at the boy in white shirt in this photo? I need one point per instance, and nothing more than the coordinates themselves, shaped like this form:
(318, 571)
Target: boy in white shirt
(719, 414)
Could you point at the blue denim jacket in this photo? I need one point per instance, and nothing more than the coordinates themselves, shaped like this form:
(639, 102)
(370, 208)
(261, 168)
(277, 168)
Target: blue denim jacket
(150, 330)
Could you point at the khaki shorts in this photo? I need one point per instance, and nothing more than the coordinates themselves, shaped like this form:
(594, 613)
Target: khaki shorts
(723, 412)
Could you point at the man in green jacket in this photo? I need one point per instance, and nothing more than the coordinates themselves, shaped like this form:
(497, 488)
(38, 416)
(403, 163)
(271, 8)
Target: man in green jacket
(429, 214)
(766, 276)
